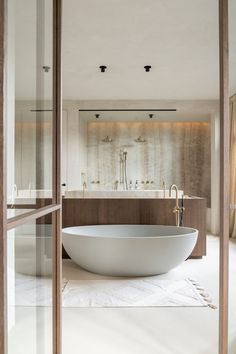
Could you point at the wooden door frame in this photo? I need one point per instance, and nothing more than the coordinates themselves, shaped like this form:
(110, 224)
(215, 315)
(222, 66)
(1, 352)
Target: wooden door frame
(224, 174)
(57, 195)
(3, 206)
(56, 207)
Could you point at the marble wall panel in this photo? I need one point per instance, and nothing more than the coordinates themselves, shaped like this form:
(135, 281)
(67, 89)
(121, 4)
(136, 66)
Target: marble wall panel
(176, 152)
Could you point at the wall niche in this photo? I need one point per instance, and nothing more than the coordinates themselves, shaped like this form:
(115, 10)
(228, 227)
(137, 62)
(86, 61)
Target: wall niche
(176, 152)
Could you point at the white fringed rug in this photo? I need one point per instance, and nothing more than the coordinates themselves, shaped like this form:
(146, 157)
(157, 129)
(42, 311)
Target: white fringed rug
(135, 292)
(125, 292)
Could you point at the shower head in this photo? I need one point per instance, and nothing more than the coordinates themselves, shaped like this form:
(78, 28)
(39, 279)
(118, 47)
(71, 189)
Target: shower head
(140, 140)
(107, 139)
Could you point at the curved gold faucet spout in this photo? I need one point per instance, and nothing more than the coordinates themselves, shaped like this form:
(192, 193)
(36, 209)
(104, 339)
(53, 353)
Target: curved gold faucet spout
(177, 209)
(174, 187)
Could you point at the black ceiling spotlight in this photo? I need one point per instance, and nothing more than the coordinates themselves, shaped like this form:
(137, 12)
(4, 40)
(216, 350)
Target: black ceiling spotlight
(151, 115)
(103, 68)
(147, 68)
(97, 116)
(46, 68)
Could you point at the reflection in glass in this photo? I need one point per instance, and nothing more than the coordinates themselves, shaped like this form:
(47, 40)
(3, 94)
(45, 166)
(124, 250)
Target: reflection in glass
(29, 105)
(30, 288)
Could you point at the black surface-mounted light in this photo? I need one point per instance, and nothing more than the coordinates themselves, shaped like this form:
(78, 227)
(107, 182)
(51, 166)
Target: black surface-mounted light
(147, 68)
(103, 68)
(97, 116)
(46, 68)
(151, 115)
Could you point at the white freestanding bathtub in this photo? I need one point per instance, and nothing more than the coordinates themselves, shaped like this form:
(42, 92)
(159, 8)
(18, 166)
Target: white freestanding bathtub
(129, 250)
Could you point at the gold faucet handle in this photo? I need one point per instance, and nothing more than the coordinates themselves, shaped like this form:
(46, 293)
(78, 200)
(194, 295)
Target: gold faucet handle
(177, 209)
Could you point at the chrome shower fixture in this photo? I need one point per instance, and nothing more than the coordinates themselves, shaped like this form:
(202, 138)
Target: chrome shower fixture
(107, 139)
(123, 169)
(140, 140)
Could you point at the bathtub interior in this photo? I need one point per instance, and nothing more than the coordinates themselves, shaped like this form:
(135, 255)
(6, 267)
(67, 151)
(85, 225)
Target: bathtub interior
(129, 231)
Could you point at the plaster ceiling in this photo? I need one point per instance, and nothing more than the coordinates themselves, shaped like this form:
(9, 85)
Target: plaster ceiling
(178, 38)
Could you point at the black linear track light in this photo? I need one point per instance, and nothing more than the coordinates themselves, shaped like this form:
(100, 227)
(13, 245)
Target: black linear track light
(147, 68)
(103, 68)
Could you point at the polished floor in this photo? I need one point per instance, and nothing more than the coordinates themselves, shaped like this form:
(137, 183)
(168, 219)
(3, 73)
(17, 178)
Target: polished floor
(179, 330)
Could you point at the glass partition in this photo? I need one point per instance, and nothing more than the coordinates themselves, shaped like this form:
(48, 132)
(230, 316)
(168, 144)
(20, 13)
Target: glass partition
(30, 234)
(29, 253)
(29, 105)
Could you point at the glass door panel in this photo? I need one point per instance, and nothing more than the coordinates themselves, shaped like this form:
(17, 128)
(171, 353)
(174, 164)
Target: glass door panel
(31, 245)
(29, 105)
(29, 254)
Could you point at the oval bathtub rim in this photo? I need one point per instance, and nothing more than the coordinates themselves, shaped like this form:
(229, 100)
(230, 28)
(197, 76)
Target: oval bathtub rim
(192, 232)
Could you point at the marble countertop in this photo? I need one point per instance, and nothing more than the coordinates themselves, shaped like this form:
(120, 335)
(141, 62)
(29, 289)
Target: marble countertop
(112, 194)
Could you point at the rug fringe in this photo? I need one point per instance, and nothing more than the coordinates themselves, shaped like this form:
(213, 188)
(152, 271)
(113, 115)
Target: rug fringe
(64, 283)
(201, 291)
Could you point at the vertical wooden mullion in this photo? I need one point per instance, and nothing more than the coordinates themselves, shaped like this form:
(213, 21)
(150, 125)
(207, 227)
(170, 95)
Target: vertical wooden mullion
(224, 175)
(3, 206)
(57, 244)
